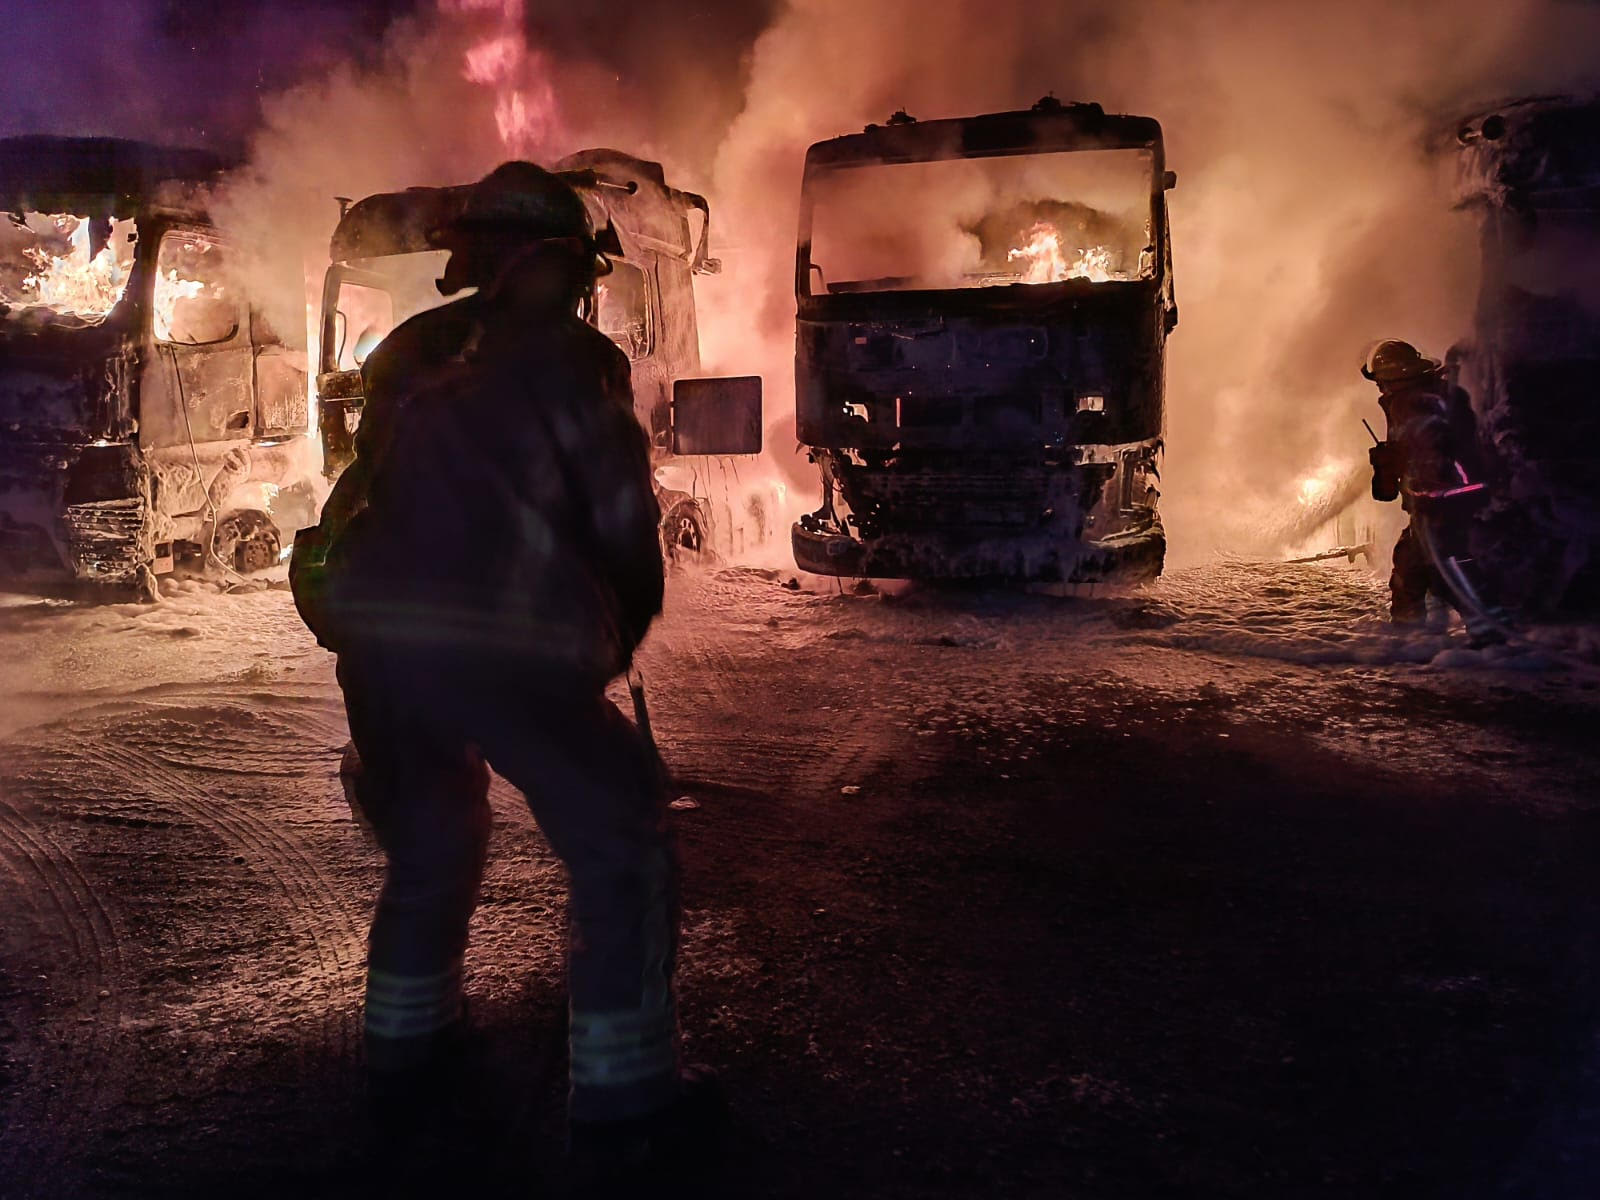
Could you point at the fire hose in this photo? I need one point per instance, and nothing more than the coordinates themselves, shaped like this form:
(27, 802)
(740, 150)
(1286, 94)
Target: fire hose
(1480, 615)
(641, 716)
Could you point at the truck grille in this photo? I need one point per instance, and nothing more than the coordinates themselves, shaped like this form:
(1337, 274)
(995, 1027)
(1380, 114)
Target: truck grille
(924, 498)
(107, 539)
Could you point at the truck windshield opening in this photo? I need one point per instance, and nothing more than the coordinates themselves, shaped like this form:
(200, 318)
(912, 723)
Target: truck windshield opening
(65, 263)
(980, 222)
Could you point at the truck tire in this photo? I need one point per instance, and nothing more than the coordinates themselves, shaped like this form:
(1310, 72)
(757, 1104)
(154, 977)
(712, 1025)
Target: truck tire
(684, 535)
(247, 541)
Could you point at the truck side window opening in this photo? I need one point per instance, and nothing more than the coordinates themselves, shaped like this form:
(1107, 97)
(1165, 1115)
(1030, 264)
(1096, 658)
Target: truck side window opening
(623, 309)
(374, 296)
(366, 316)
(194, 303)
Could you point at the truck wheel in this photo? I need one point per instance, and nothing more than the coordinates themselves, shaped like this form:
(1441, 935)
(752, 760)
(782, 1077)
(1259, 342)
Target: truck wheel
(683, 534)
(247, 541)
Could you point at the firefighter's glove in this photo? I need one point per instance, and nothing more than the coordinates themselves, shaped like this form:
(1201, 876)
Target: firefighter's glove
(310, 581)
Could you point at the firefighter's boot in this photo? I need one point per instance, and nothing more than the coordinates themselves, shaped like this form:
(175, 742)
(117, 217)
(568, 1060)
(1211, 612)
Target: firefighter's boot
(669, 1149)
(1409, 582)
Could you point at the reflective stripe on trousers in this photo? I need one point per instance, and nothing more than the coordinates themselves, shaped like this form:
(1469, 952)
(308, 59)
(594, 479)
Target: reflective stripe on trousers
(411, 1006)
(625, 1061)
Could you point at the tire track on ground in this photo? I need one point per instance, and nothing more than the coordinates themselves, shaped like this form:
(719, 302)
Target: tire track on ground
(51, 893)
(316, 904)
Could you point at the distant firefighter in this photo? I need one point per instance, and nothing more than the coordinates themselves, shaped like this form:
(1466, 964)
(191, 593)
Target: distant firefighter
(1431, 463)
(490, 563)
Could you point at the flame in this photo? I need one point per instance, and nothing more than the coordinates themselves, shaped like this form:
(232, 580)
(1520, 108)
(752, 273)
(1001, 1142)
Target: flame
(494, 61)
(1312, 490)
(1318, 487)
(77, 282)
(524, 99)
(1045, 259)
(170, 288)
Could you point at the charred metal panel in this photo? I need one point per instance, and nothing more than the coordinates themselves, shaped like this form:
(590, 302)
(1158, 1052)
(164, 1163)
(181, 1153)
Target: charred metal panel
(896, 370)
(281, 400)
(106, 514)
(197, 393)
(63, 381)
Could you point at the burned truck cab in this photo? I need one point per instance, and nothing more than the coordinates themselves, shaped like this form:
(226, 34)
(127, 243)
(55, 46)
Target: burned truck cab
(148, 414)
(983, 307)
(386, 261)
(1530, 171)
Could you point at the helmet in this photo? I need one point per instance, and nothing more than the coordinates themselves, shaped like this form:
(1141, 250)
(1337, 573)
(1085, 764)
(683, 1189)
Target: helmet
(1395, 361)
(527, 203)
(527, 198)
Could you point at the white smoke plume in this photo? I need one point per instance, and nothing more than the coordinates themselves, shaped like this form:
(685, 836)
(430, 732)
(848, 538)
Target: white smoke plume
(1309, 219)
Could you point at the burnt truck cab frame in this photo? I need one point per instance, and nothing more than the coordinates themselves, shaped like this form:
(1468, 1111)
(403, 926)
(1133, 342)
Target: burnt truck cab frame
(386, 260)
(148, 415)
(1529, 170)
(983, 306)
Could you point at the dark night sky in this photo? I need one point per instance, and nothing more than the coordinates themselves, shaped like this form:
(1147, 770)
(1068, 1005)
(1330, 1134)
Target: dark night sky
(196, 72)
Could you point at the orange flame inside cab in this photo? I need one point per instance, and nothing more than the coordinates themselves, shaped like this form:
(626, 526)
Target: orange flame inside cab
(1045, 259)
(77, 282)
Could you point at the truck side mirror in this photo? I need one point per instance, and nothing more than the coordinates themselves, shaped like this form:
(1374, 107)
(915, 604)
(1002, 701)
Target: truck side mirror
(1169, 181)
(717, 416)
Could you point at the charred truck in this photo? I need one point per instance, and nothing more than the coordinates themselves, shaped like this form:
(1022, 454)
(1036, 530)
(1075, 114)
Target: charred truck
(1531, 171)
(983, 307)
(386, 261)
(149, 417)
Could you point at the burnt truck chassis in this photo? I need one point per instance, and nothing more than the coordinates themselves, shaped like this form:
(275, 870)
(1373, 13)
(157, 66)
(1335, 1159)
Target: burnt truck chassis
(1007, 432)
(111, 472)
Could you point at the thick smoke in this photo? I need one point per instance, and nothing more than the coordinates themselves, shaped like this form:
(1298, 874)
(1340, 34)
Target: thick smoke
(1308, 221)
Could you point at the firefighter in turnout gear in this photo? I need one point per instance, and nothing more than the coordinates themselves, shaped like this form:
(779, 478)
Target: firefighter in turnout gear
(1430, 461)
(491, 562)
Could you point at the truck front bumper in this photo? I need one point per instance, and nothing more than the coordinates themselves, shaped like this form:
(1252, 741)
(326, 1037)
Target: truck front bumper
(1130, 556)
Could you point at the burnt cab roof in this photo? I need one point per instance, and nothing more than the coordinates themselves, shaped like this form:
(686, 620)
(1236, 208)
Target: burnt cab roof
(1542, 152)
(629, 192)
(100, 177)
(1048, 126)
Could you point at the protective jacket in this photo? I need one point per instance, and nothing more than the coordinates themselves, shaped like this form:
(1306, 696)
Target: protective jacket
(1431, 453)
(508, 509)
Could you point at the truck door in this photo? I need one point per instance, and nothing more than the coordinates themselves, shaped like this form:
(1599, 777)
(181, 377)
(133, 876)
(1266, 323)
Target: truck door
(282, 407)
(626, 312)
(198, 383)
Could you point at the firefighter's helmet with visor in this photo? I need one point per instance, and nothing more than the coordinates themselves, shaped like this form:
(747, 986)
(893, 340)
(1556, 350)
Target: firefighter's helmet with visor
(1394, 361)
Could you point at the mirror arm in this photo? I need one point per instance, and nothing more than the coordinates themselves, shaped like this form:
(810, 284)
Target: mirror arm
(703, 263)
